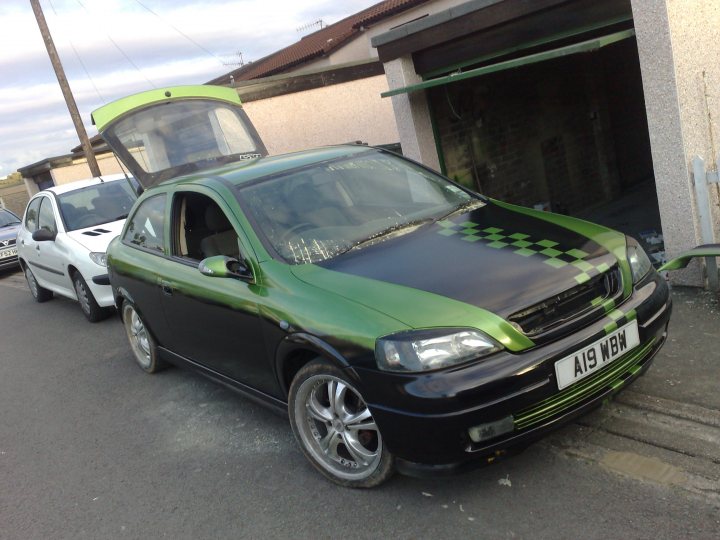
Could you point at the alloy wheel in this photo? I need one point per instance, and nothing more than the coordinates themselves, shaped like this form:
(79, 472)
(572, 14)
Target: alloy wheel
(138, 336)
(337, 428)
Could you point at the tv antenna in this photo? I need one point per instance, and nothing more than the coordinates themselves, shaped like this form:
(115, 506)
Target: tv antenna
(237, 60)
(319, 23)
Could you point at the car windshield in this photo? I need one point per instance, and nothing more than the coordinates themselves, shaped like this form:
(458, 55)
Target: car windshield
(95, 205)
(171, 139)
(320, 212)
(7, 218)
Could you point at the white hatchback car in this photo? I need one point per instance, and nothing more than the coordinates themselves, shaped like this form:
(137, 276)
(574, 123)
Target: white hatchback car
(64, 234)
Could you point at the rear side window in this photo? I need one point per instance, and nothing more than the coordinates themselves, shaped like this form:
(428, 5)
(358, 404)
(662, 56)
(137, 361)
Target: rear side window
(145, 228)
(31, 216)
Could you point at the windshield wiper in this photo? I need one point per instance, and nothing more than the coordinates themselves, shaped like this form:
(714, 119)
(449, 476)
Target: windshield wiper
(384, 232)
(8, 224)
(464, 206)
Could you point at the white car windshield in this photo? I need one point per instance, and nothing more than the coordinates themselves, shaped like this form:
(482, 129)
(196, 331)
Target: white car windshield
(94, 205)
(320, 212)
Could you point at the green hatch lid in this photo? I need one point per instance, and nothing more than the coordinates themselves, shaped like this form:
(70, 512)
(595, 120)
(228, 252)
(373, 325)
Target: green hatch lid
(107, 113)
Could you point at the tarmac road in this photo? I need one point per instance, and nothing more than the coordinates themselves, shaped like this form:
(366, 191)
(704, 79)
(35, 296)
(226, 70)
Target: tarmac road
(91, 447)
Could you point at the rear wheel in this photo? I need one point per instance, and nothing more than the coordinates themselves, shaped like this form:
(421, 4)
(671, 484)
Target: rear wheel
(335, 428)
(40, 294)
(141, 342)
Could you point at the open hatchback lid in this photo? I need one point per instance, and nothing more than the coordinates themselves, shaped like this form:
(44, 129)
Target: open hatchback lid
(165, 133)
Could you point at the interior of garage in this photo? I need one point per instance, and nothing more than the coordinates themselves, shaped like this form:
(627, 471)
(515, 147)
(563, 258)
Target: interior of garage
(568, 135)
(544, 109)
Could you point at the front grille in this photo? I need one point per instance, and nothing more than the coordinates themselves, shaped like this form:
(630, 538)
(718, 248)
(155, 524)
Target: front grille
(568, 305)
(10, 242)
(611, 376)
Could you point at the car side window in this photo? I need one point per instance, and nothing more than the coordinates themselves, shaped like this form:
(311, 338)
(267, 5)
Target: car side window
(201, 229)
(31, 216)
(145, 227)
(46, 216)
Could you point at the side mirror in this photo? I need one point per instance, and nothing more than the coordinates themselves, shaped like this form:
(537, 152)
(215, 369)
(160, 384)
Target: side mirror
(222, 266)
(43, 235)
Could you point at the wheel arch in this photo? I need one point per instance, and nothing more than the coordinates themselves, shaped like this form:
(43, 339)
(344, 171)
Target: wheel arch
(299, 349)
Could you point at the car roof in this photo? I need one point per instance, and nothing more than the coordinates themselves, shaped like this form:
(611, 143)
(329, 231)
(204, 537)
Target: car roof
(79, 184)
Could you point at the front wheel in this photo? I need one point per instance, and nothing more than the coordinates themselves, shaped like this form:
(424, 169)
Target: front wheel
(335, 428)
(90, 308)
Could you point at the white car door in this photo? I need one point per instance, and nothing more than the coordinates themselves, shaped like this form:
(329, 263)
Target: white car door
(48, 264)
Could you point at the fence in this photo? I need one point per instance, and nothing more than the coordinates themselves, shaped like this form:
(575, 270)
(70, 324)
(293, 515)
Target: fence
(703, 179)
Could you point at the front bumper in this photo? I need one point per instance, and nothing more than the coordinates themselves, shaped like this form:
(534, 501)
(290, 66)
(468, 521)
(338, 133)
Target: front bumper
(424, 418)
(9, 262)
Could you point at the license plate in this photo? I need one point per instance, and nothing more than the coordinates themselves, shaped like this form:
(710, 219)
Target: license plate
(592, 358)
(10, 252)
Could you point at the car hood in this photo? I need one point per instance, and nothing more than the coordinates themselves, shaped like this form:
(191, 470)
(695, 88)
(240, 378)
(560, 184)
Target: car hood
(8, 233)
(498, 258)
(98, 237)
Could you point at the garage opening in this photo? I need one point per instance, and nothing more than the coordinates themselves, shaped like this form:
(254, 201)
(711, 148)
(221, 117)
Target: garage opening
(568, 135)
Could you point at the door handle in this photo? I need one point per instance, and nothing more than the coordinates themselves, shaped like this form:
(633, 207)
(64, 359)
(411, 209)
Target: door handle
(166, 287)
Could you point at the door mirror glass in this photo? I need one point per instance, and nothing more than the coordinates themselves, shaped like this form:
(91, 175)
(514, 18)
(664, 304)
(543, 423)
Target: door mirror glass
(43, 235)
(222, 266)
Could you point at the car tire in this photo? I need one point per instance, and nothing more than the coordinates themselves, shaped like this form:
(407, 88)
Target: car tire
(338, 435)
(90, 308)
(141, 341)
(40, 294)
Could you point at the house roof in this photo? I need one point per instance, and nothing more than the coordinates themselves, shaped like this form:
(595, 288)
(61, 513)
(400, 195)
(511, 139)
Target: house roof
(319, 43)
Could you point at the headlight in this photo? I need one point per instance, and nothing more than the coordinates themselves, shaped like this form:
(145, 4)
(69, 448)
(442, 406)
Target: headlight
(423, 350)
(639, 262)
(99, 258)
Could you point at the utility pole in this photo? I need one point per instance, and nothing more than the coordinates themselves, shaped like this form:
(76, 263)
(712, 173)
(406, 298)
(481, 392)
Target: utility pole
(65, 87)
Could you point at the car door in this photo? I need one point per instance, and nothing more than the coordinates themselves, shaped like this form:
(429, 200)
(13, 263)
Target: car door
(137, 275)
(45, 258)
(214, 320)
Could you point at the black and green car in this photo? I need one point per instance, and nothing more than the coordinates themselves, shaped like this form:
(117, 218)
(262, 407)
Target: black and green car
(400, 320)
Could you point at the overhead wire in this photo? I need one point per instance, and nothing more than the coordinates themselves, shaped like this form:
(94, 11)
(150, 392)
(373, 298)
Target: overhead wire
(120, 49)
(183, 34)
(79, 59)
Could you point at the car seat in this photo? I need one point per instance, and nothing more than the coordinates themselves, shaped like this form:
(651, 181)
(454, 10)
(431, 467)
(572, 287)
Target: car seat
(223, 240)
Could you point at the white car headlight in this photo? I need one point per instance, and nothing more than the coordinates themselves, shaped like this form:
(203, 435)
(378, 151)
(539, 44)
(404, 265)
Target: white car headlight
(423, 350)
(640, 264)
(99, 258)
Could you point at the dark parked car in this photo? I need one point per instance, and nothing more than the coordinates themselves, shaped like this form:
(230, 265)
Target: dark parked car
(9, 224)
(400, 320)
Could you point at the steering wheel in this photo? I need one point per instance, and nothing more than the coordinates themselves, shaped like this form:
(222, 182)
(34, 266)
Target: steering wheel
(87, 220)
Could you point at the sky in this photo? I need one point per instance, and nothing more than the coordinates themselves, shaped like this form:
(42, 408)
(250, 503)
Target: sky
(113, 48)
